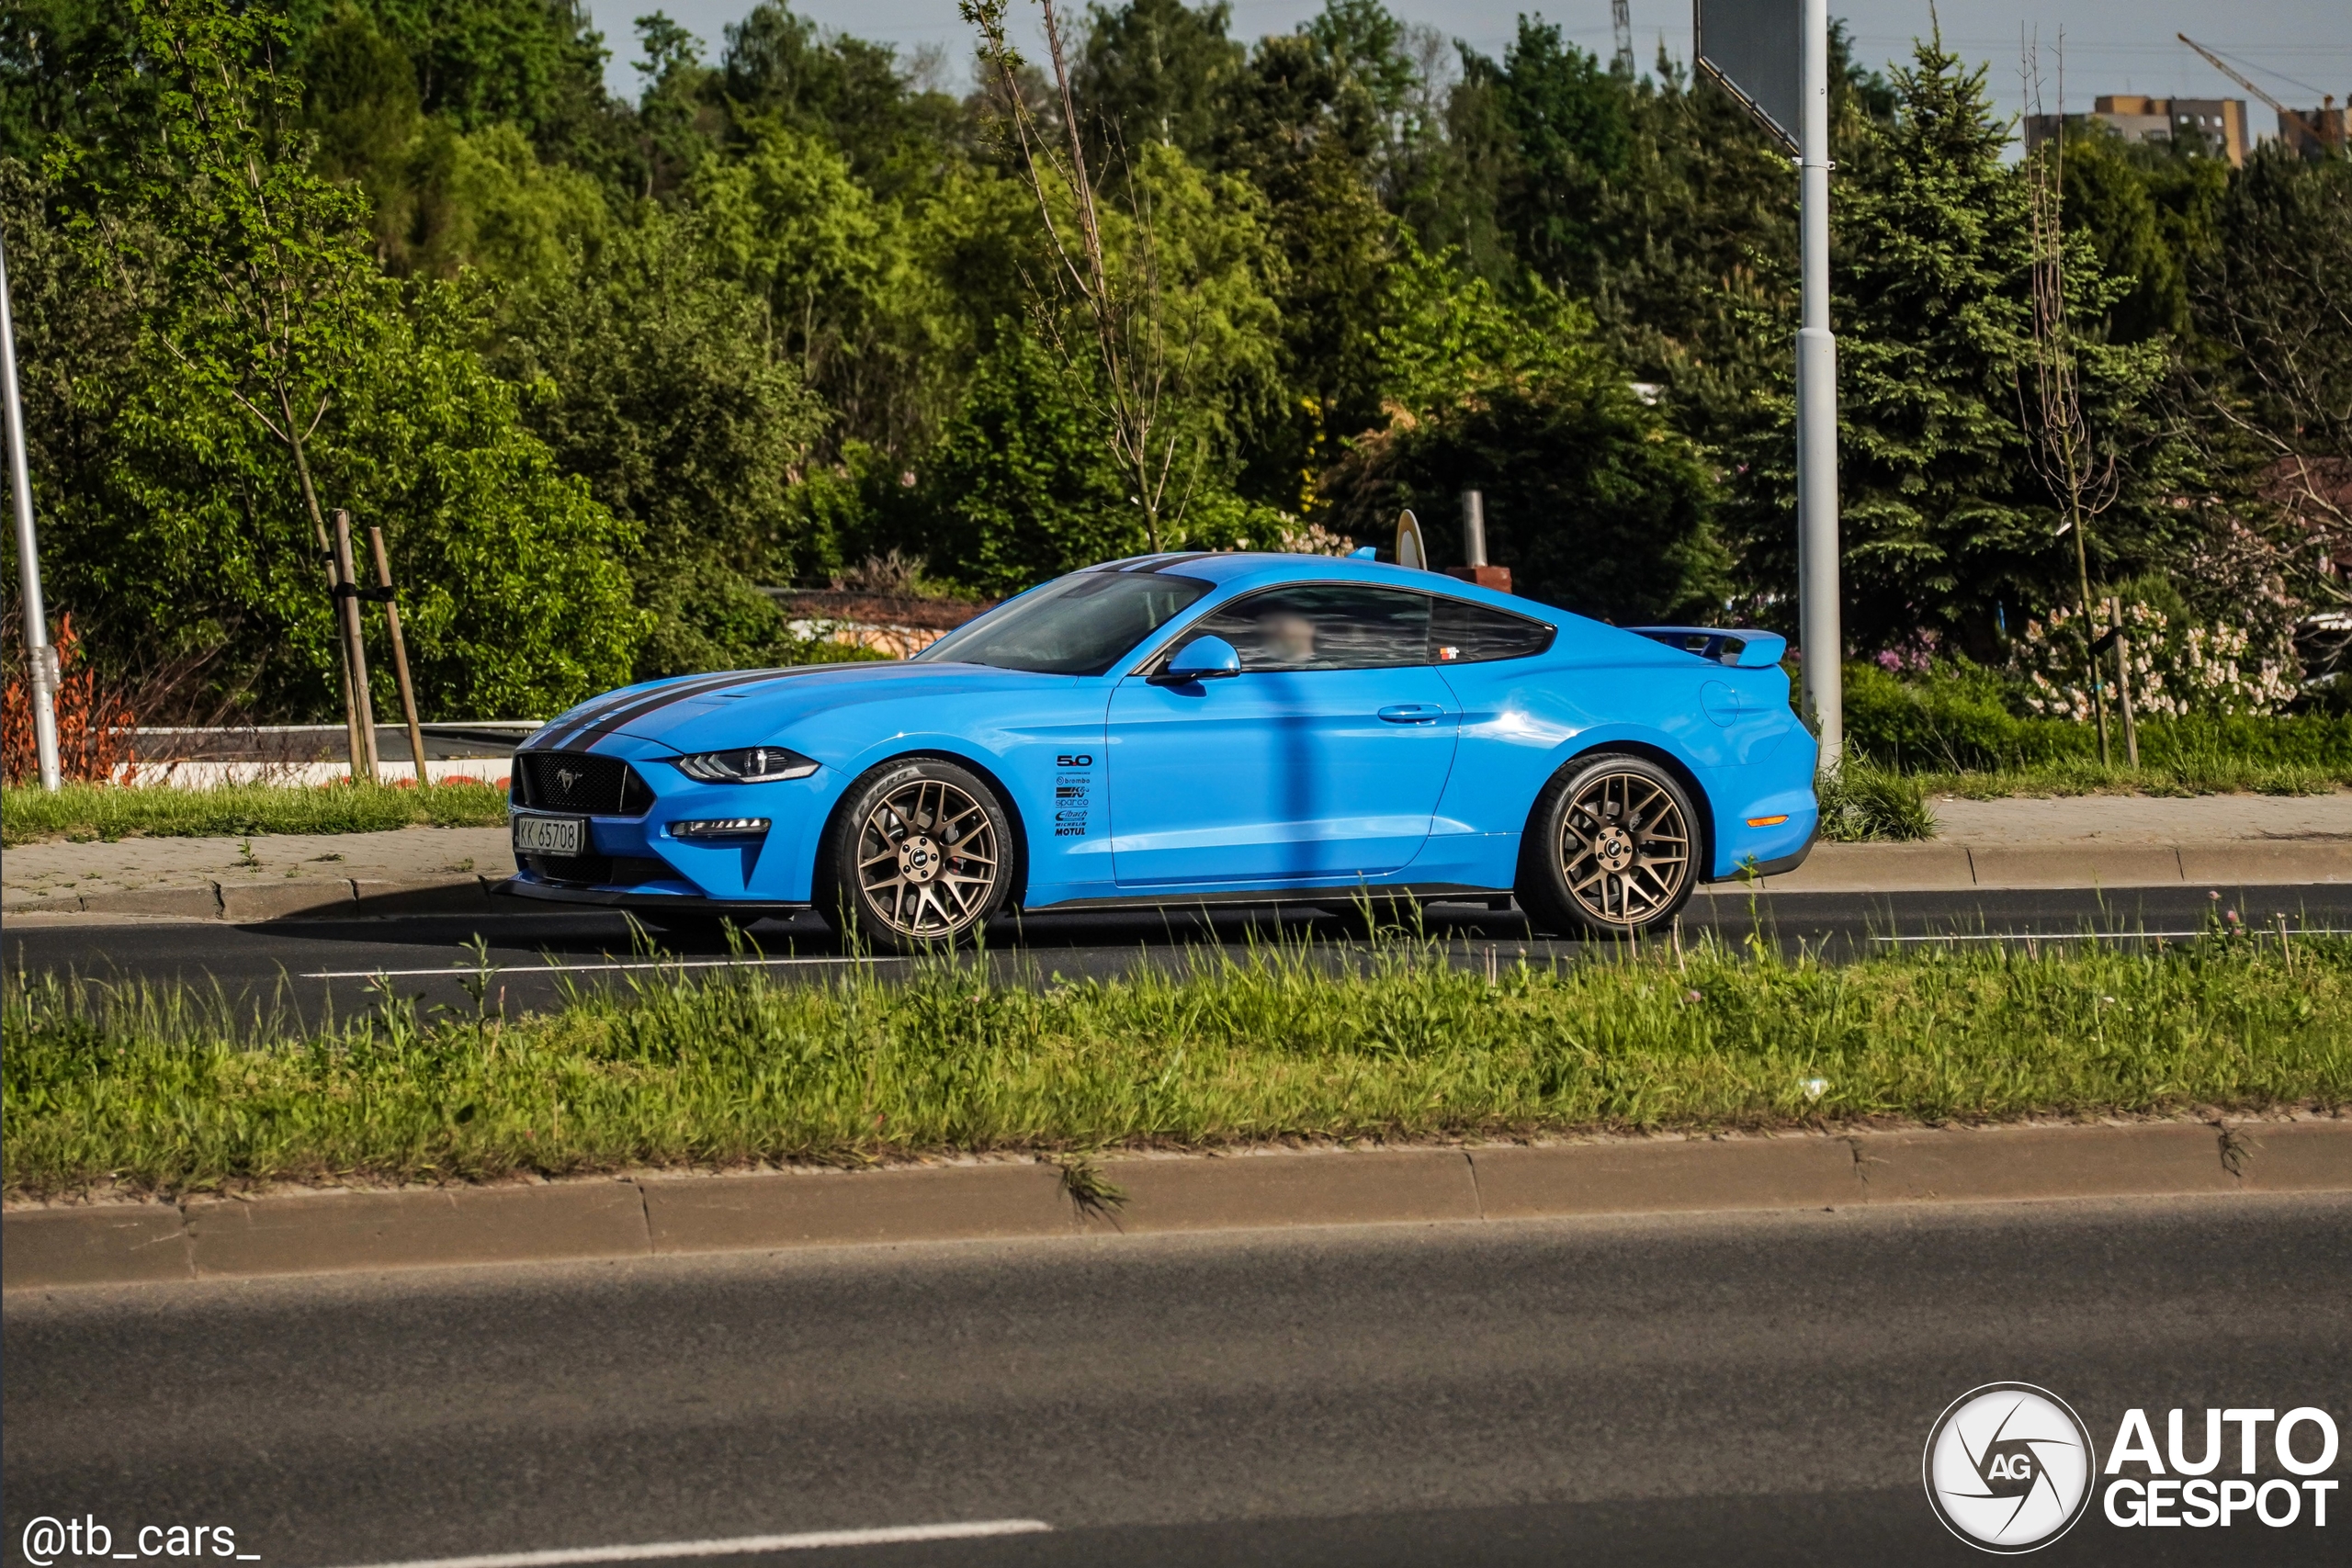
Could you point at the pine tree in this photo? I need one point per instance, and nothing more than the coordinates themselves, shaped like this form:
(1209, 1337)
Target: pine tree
(1932, 293)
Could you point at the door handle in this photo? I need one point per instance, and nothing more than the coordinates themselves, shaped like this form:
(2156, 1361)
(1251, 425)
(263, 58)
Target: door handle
(1412, 713)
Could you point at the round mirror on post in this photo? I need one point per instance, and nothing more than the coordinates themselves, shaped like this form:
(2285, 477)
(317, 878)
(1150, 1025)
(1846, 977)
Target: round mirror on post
(1411, 548)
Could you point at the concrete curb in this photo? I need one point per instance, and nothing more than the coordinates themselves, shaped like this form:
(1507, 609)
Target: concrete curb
(211, 1238)
(1832, 868)
(1933, 867)
(312, 899)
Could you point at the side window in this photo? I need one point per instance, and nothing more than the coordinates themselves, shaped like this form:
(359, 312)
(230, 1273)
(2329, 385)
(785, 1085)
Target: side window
(1473, 634)
(1326, 625)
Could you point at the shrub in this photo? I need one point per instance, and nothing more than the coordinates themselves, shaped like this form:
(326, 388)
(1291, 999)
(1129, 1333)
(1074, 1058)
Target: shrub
(1956, 718)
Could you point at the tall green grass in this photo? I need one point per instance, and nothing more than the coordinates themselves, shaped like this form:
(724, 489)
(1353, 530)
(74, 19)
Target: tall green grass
(1958, 721)
(110, 811)
(162, 1090)
(2190, 775)
(1863, 803)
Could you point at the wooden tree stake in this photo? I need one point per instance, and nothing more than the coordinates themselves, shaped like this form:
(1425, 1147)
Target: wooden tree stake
(399, 653)
(348, 597)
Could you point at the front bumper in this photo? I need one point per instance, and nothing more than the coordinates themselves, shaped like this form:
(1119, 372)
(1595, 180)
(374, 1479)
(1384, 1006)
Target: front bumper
(634, 862)
(526, 886)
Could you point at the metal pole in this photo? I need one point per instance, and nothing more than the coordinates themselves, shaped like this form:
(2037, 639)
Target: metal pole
(1820, 632)
(41, 658)
(1474, 528)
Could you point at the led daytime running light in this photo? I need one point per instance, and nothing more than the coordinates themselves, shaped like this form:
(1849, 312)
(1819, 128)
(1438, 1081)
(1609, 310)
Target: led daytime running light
(720, 827)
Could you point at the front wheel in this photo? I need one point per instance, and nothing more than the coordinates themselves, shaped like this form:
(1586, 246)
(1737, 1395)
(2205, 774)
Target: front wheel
(1611, 848)
(920, 854)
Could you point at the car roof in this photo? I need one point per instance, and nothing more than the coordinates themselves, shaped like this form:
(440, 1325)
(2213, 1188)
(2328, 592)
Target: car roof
(1264, 569)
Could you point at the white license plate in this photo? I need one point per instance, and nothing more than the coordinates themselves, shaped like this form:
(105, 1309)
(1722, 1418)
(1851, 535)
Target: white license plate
(550, 835)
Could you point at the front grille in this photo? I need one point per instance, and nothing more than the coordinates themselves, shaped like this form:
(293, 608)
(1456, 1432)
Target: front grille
(580, 781)
(600, 870)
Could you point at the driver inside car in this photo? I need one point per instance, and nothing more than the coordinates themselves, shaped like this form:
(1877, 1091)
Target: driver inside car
(1288, 639)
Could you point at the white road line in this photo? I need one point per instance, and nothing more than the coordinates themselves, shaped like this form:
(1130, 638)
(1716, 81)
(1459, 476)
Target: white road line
(2106, 936)
(585, 968)
(732, 1546)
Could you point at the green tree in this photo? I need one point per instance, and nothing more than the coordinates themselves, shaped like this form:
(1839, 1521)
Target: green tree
(1946, 525)
(262, 292)
(2151, 213)
(1597, 504)
(779, 67)
(1930, 268)
(1572, 133)
(677, 126)
(61, 76)
(360, 101)
(1023, 483)
(1156, 71)
(486, 200)
(1314, 124)
(658, 381)
(172, 532)
(535, 64)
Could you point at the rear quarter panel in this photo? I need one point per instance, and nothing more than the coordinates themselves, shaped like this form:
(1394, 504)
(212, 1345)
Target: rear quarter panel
(1523, 720)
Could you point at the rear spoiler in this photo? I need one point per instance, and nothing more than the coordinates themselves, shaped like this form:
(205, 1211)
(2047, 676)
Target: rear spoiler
(1742, 648)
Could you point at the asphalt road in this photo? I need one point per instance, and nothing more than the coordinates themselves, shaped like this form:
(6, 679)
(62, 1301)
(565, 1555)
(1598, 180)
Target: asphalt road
(1721, 1390)
(312, 966)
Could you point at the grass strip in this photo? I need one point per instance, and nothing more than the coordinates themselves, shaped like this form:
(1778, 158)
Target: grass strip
(86, 811)
(1864, 803)
(162, 1090)
(2189, 777)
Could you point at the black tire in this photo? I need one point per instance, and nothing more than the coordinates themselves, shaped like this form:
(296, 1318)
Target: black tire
(1612, 847)
(921, 853)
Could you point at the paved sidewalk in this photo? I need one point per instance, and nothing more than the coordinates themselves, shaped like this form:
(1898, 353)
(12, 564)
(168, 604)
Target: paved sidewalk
(250, 879)
(2102, 841)
(2141, 819)
(2085, 840)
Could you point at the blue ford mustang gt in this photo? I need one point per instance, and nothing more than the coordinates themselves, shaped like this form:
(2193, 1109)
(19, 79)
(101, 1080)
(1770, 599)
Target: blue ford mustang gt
(1187, 729)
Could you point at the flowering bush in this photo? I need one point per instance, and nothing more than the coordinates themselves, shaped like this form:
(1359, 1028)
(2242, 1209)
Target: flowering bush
(2178, 667)
(1310, 539)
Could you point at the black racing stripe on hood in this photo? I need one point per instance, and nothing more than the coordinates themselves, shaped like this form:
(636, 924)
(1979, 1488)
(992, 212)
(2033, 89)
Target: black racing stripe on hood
(659, 700)
(550, 737)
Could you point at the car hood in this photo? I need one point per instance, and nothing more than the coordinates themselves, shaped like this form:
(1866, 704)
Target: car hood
(748, 707)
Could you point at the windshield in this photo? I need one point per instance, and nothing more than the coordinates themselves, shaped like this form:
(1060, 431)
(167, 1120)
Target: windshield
(1079, 625)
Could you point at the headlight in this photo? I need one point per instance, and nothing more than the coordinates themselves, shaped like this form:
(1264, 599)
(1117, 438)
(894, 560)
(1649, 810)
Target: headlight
(750, 764)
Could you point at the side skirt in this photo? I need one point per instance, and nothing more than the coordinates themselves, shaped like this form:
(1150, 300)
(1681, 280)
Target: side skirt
(1416, 892)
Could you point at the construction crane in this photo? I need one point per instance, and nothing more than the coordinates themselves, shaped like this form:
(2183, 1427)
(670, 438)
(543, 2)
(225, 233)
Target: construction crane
(2223, 66)
(1620, 13)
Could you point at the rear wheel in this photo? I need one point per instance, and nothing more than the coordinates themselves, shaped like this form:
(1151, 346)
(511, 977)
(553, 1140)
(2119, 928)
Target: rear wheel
(921, 853)
(1611, 848)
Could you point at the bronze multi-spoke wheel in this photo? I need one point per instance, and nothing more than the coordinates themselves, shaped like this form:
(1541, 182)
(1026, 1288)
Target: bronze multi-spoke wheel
(919, 854)
(1611, 848)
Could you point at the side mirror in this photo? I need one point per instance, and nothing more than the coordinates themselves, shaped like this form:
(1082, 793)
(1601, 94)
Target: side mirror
(1203, 659)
